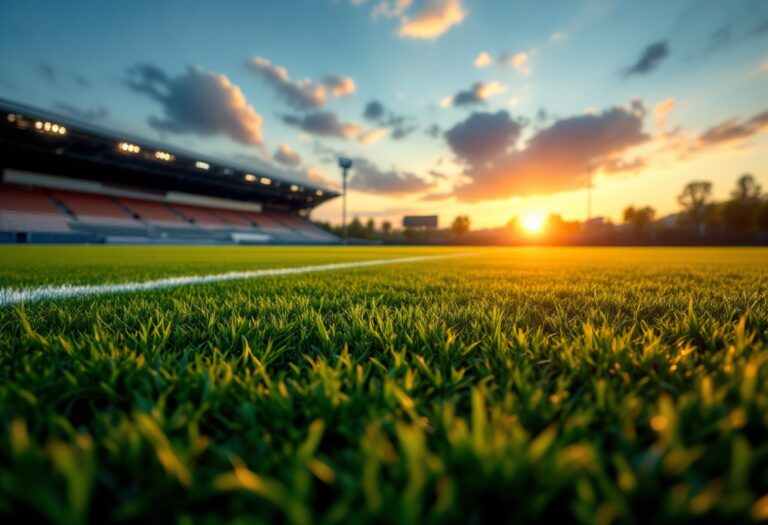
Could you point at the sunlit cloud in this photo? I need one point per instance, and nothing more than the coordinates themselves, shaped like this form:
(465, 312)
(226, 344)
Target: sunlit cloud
(483, 60)
(734, 130)
(520, 61)
(661, 113)
(340, 86)
(322, 124)
(372, 136)
(198, 101)
(556, 37)
(286, 156)
(555, 159)
(435, 18)
(477, 94)
(305, 93)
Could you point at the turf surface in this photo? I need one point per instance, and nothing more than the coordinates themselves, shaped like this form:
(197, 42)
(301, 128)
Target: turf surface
(513, 385)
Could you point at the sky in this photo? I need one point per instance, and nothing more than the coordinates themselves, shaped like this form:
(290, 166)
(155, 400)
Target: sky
(489, 108)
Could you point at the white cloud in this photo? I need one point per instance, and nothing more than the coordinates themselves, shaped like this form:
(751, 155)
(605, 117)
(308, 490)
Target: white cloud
(435, 18)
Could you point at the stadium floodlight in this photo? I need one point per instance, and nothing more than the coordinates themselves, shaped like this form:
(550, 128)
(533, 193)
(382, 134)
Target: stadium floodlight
(163, 155)
(319, 193)
(48, 127)
(294, 187)
(249, 177)
(344, 163)
(127, 147)
(266, 181)
(199, 164)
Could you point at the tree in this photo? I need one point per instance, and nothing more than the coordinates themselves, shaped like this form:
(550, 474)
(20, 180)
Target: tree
(694, 199)
(639, 218)
(460, 225)
(386, 228)
(747, 188)
(740, 213)
(370, 226)
(356, 229)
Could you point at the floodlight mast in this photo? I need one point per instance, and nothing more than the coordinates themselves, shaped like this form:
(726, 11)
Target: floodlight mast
(344, 163)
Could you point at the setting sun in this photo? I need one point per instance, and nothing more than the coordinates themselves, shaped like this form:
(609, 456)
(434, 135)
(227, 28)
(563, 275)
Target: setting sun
(533, 224)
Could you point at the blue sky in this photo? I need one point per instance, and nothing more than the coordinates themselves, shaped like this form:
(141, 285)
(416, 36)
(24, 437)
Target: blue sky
(514, 137)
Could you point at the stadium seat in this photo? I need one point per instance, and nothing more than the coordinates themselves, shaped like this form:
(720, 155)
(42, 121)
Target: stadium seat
(29, 210)
(199, 215)
(93, 208)
(153, 212)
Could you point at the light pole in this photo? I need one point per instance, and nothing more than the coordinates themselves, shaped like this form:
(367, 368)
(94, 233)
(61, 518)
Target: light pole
(344, 163)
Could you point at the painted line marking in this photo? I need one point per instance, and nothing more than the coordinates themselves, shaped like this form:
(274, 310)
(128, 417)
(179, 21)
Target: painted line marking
(11, 296)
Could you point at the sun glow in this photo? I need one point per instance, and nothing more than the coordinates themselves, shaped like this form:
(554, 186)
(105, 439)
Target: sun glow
(533, 224)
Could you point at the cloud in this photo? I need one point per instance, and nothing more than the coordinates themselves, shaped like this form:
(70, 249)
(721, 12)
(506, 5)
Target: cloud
(372, 136)
(649, 60)
(661, 113)
(286, 156)
(734, 130)
(437, 196)
(340, 86)
(399, 126)
(556, 37)
(477, 94)
(367, 177)
(322, 124)
(434, 19)
(483, 60)
(483, 136)
(96, 113)
(198, 101)
(374, 110)
(520, 61)
(554, 159)
(301, 94)
(391, 9)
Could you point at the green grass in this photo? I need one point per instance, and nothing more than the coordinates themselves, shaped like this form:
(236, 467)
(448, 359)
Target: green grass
(514, 385)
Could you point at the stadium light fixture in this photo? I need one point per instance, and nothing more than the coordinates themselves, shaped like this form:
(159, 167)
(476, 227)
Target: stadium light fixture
(344, 163)
(294, 187)
(199, 164)
(48, 127)
(250, 177)
(266, 181)
(319, 193)
(127, 147)
(164, 156)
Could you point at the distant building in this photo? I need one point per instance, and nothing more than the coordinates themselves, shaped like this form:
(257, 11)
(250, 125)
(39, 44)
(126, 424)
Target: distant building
(421, 222)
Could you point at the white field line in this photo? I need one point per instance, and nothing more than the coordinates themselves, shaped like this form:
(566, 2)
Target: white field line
(10, 296)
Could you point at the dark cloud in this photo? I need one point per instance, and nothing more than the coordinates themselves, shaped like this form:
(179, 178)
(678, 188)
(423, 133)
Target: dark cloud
(286, 156)
(483, 136)
(48, 72)
(197, 101)
(555, 159)
(340, 86)
(367, 177)
(649, 59)
(400, 126)
(734, 129)
(374, 110)
(323, 124)
(97, 113)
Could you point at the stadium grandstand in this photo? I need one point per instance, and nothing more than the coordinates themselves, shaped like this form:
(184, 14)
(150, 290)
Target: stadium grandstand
(69, 181)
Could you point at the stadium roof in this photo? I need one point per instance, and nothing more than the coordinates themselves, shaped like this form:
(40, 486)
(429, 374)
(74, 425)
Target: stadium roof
(38, 140)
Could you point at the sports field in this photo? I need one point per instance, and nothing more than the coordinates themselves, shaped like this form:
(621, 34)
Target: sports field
(486, 385)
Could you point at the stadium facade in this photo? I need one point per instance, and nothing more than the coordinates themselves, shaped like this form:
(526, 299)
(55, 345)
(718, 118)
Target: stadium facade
(69, 181)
